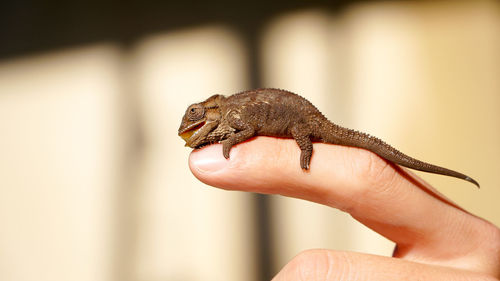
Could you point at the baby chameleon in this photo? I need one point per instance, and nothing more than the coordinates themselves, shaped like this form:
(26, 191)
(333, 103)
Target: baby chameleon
(279, 113)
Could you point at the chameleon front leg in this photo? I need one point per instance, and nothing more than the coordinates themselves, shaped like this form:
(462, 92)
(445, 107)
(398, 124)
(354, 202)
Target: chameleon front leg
(301, 134)
(245, 131)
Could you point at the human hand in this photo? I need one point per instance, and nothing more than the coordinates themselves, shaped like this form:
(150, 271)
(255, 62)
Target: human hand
(435, 239)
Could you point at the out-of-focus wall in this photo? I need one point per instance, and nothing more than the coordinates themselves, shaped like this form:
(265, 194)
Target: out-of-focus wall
(94, 183)
(61, 145)
(186, 230)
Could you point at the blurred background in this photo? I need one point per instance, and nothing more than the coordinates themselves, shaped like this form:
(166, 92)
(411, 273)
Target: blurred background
(94, 181)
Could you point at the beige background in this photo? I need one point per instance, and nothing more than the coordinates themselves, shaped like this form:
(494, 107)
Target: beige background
(94, 183)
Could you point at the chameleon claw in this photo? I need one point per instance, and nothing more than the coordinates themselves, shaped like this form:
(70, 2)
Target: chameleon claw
(226, 148)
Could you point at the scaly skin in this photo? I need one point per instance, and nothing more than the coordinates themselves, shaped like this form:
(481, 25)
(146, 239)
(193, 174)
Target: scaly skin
(279, 113)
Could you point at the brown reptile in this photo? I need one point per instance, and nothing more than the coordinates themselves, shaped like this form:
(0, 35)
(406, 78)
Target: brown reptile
(279, 113)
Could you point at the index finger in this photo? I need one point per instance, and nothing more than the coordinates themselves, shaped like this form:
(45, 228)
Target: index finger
(378, 194)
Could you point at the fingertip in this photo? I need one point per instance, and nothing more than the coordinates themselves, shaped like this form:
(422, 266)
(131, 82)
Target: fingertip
(209, 165)
(252, 166)
(207, 160)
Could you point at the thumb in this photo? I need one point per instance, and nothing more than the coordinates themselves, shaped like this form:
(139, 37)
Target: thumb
(326, 265)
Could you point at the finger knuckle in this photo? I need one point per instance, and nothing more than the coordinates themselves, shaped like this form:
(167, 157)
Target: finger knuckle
(373, 172)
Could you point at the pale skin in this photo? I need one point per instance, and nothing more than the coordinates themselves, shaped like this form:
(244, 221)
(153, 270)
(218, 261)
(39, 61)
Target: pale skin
(436, 239)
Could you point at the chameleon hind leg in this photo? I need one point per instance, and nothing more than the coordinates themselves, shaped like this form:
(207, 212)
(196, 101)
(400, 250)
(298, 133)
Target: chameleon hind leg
(302, 136)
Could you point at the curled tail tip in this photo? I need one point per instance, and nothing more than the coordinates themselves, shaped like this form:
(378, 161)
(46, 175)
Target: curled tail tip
(469, 179)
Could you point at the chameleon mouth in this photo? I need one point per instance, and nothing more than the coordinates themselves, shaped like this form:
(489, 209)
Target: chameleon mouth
(187, 133)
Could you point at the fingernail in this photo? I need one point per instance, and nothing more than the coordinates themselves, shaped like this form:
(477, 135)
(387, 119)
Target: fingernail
(208, 159)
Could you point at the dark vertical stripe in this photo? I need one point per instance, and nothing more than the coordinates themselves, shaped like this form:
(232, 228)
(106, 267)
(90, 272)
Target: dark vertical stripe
(262, 224)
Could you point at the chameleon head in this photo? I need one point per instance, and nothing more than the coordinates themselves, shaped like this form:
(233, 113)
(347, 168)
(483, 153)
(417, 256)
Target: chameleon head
(198, 121)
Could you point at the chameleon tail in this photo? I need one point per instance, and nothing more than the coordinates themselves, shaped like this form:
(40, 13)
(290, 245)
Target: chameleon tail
(339, 135)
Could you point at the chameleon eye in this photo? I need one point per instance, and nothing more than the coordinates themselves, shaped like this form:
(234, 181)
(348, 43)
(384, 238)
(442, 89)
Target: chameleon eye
(196, 112)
